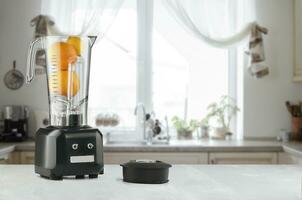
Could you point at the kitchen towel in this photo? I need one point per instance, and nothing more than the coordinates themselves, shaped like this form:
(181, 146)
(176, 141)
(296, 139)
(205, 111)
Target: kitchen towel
(44, 26)
(256, 54)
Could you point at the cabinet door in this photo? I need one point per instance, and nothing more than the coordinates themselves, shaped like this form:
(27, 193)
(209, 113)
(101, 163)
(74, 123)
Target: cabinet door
(11, 158)
(27, 157)
(243, 158)
(285, 158)
(14, 158)
(297, 74)
(173, 158)
(3, 160)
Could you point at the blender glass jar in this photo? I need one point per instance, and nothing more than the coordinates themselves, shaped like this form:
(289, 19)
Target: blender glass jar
(68, 67)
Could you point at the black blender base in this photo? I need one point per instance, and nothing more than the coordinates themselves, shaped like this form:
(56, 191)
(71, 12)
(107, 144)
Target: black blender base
(53, 177)
(89, 176)
(59, 178)
(65, 152)
(44, 173)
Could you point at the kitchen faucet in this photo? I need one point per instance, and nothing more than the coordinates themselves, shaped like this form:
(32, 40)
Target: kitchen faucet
(148, 126)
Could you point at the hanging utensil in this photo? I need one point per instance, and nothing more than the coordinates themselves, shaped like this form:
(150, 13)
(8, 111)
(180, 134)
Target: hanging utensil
(14, 79)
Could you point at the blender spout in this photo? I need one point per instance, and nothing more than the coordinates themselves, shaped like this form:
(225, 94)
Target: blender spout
(92, 40)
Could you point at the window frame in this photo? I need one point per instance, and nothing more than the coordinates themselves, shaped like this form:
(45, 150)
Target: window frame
(144, 61)
(144, 53)
(232, 68)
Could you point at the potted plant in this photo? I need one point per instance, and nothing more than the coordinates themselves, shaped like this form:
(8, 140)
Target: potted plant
(222, 113)
(204, 128)
(183, 128)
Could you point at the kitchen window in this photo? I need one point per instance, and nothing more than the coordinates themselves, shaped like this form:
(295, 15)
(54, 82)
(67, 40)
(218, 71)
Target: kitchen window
(147, 57)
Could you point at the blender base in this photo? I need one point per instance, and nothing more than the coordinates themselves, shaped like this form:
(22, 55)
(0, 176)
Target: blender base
(69, 151)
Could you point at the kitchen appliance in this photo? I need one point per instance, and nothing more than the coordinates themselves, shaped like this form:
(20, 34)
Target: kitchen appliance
(15, 123)
(68, 147)
(146, 171)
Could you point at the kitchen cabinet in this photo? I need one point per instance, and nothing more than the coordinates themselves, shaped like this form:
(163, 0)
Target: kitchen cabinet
(3, 160)
(27, 157)
(286, 158)
(14, 158)
(173, 158)
(243, 158)
(19, 157)
(11, 158)
(297, 73)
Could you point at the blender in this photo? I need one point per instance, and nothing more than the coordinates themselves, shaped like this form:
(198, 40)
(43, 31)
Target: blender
(68, 147)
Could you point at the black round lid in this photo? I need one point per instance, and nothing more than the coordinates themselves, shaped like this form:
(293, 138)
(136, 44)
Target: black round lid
(146, 164)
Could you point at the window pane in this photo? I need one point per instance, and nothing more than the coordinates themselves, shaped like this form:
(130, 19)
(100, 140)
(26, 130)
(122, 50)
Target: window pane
(185, 67)
(113, 72)
(170, 78)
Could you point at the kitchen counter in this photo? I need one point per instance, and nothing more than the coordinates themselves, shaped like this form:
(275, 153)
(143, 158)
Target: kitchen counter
(182, 146)
(187, 182)
(294, 148)
(6, 149)
(174, 146)
(200, 146)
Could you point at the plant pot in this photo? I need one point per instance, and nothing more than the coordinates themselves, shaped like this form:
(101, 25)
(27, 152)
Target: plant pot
(184, 134)
(219, 133)
(296, 128)
(203, 132)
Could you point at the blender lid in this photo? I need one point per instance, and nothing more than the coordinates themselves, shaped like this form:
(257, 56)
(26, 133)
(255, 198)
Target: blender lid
(146, 171)
(146, 164)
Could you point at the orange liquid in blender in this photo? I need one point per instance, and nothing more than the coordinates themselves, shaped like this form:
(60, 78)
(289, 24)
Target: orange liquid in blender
(58, 83)
(60, 55)
(76, 43)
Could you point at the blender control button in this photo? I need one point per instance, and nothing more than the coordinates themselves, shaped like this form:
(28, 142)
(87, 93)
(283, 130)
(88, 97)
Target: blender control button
(75, 146)
(90, 146)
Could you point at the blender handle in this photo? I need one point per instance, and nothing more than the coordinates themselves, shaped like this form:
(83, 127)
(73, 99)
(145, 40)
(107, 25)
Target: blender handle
(31, 58)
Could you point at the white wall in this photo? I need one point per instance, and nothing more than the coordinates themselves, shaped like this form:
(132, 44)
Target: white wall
(264, 100)
(264, 110)
(15, 35)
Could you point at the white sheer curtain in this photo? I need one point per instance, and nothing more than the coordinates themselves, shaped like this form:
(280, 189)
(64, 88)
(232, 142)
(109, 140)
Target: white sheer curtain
(212, 21)
(81, 17)
(223, 24)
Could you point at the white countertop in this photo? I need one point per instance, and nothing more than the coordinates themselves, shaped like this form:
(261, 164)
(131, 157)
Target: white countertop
(176, 146)
(187, 182)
